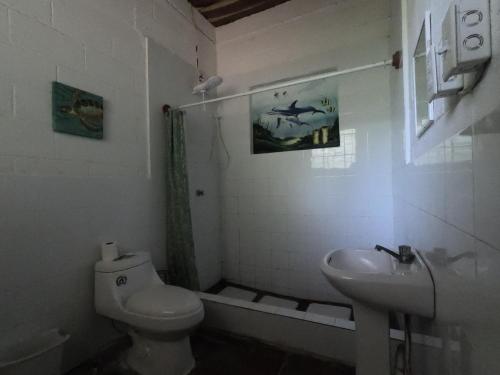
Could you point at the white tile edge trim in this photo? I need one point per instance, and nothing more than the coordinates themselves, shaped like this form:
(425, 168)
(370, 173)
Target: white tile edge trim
(395, 334)
(275, 310)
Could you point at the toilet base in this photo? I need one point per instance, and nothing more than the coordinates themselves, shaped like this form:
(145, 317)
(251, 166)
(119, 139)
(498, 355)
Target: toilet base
(155, 357)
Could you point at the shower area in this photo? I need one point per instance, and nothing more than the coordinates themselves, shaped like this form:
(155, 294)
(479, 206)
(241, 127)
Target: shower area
(262, 223)
(280, 213)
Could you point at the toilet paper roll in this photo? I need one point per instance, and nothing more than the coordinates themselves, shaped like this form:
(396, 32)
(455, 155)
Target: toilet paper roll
(109, 250)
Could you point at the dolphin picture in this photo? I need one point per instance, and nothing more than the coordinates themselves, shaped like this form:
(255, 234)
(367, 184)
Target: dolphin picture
(296, 121)
(294, 111)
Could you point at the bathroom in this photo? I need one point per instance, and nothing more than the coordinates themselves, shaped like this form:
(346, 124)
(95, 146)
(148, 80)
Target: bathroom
(266, 227)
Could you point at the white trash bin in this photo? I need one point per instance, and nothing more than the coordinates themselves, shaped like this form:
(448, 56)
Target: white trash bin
(40, 355)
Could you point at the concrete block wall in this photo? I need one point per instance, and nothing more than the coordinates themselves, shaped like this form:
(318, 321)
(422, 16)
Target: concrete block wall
(61, 195)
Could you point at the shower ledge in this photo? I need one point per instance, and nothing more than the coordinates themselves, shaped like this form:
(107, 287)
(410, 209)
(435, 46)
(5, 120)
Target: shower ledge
(395, 334)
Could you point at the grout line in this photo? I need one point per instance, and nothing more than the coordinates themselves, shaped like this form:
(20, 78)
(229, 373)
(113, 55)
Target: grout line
(52, 13)
(113, 47)
(474, 196)
(134, 18)
(84, 56)
(14, 103)
(148, 104)
(9, 25)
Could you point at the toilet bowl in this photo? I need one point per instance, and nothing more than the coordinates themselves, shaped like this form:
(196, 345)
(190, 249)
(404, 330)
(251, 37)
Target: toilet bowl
(160, 317)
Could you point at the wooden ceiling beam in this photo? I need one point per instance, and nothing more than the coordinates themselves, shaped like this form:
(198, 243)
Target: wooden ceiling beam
(222, 12)
(216, 5)
(224, 20)
(235, 7)
(202, 3)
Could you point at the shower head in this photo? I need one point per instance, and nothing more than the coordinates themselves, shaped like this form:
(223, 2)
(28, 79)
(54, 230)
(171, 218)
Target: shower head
(209, 84)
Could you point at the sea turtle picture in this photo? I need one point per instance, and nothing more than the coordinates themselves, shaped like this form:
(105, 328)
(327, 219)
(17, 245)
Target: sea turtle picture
(77, 112)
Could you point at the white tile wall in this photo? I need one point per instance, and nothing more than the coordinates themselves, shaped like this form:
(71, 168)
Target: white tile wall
(458, 240)
(61, 195)
(282, 212)
(446, 205)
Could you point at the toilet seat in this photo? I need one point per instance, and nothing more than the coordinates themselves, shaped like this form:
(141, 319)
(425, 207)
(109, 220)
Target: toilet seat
(164, 308)
(163, 301)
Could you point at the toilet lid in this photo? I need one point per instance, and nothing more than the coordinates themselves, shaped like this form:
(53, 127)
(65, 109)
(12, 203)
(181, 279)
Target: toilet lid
(163, 301)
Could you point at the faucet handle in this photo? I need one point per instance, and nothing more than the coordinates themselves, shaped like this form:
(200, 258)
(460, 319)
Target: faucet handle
(405, 254)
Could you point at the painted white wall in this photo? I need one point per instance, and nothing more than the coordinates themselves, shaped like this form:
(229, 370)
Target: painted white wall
(282, 212)
(61, 195)
(446, 204)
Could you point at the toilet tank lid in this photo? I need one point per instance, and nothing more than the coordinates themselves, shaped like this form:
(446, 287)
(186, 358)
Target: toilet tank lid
(123, 262)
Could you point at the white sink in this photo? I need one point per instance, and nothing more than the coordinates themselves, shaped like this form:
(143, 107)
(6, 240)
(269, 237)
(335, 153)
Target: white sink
(378, 283)
(378, 279)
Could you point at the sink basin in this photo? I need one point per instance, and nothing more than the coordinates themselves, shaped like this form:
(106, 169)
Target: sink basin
(378, 279)
(363, 261)
(378, 283)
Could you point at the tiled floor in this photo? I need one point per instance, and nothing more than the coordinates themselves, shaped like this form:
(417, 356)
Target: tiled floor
(224, 355)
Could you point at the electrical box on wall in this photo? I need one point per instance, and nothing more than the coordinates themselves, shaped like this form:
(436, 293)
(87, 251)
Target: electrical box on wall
(466, 37)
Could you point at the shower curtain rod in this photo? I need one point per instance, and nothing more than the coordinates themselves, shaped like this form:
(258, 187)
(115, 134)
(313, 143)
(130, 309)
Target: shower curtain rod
(316, 77)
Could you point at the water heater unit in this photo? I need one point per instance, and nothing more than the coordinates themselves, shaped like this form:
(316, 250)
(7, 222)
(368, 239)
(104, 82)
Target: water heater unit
(466, 37)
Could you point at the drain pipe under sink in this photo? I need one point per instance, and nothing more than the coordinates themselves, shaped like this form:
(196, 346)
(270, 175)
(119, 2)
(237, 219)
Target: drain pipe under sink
(407, 370)
(402, 362)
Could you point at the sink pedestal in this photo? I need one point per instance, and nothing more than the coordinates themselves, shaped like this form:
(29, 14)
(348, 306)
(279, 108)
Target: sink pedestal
(372, 340)
(378, 283)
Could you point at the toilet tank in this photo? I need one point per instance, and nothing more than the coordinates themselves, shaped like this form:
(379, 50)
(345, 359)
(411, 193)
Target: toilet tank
(118, 279)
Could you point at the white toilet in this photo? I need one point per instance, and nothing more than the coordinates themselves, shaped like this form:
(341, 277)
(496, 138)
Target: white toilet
(160, 316)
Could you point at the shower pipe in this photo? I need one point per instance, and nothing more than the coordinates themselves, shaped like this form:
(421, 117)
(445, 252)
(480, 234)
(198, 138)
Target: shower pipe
(293, 82)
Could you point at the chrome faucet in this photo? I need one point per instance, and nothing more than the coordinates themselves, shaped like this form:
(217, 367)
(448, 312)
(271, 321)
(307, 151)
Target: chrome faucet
(405, 254)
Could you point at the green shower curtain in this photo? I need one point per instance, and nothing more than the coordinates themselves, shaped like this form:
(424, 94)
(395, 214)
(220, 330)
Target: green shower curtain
(181, 266)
